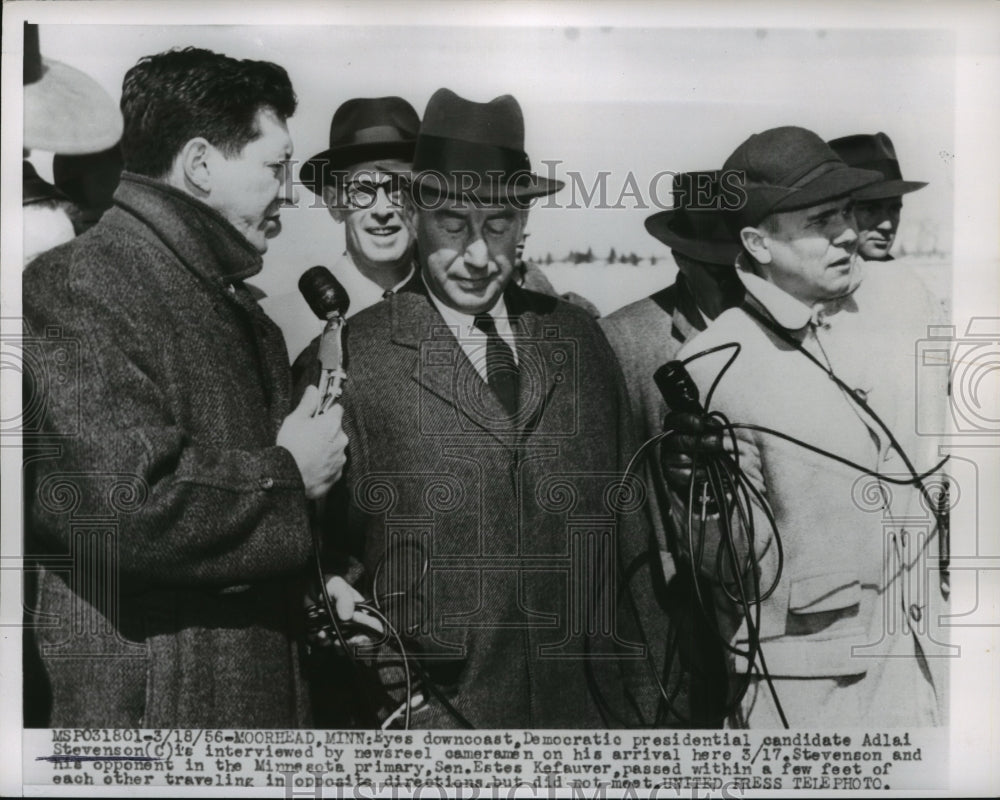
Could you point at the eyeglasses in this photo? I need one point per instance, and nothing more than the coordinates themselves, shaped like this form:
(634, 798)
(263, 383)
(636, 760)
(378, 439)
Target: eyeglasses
(363, 193)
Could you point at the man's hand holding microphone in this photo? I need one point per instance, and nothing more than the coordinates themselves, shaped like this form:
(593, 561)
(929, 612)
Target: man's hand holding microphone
(317, 442)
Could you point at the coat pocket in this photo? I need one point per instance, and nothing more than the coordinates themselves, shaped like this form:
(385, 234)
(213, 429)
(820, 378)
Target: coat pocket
(824, 604)
(831, 591)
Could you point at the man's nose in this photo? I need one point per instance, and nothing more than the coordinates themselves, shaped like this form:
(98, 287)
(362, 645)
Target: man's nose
(884, 224)
(848, 236)
(383, 212)
(288, 195)
(382, 203)
(476, 254)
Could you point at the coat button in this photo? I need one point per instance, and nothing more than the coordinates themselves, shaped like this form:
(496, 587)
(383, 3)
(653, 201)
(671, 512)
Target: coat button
(266, 483)
(915, 613)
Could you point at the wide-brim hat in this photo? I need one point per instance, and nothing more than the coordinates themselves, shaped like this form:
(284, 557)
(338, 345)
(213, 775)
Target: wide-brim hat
(363, 129)
(696, 225)
(875, 151)
(65, 110)
(789, 168)
(475, 151)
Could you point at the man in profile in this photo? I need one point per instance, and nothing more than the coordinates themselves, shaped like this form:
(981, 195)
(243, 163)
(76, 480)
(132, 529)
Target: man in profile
(646, 335)
(175, 427)
(876, 207)
(833, 603)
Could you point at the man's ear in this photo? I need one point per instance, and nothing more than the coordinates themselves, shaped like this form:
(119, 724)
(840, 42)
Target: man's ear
(331, 199)
(757, 244)
(195, 162)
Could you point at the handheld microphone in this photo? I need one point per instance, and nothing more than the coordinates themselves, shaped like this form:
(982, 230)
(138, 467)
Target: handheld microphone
(329, 301)
(677, 387)
(681, 395)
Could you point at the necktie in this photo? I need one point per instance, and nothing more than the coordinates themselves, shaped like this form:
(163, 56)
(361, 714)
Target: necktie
(387, 294)
(501, 369)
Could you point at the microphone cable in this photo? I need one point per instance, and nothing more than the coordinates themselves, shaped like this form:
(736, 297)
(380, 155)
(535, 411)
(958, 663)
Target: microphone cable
(734, 494)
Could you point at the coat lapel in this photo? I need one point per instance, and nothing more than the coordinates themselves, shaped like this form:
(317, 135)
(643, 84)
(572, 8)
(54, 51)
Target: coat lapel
(537, 338)
(443, 369)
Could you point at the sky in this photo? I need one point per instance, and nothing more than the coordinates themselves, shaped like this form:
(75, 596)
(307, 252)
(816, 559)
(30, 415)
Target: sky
(631, 102)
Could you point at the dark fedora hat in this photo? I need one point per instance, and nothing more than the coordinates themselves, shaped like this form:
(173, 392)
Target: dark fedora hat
(789, 168)
(475, 151)
(875, 151)
(696, 225)
(363, 129)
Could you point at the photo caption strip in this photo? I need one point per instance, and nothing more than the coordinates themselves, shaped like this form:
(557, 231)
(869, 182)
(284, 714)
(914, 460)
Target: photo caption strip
(339, 763)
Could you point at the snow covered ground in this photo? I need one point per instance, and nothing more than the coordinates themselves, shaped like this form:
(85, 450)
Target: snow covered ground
(611, 286)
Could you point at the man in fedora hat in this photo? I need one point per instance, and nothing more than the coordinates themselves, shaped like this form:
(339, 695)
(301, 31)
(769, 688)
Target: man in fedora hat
(489, 436)
(831, 623)
(378, 254)
(171, 422)
(647, 334)
(877, 206)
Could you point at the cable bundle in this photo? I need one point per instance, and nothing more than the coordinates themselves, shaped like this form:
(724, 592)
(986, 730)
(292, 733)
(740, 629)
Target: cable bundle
(727, 496)
(326, 628)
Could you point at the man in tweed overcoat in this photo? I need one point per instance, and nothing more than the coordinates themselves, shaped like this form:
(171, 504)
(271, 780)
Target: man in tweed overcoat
(167, 504)
(489, 433)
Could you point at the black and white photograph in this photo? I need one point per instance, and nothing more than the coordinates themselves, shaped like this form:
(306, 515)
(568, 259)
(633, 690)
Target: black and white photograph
(499, 399)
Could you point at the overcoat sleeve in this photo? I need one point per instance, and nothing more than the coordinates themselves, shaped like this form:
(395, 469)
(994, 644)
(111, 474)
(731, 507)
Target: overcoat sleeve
(641, 618)
(188, 514)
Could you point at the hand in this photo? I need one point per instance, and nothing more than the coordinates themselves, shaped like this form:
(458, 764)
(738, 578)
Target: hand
(345, 598)
(702, 436)
(317, 443)
(692, 435)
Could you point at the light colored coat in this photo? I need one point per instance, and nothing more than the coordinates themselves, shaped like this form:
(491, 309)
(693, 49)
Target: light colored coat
(856, 608)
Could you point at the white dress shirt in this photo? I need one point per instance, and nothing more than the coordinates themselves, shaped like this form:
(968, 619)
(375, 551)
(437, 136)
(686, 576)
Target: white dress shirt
(470, 338)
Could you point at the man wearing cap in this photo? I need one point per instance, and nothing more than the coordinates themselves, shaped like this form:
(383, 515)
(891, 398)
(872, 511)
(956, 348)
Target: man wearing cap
(378, 255)
(489, 436)
(649, 333)
(876, 207)
(847, 582)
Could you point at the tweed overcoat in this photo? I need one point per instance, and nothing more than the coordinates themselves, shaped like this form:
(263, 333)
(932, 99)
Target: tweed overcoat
(645, 335)
(515, 521)
(167, 523)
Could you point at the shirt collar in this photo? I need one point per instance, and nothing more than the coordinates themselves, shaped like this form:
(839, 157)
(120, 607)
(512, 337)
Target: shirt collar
(347, 258)
(406, 280)
(459, 319)
(788, 311)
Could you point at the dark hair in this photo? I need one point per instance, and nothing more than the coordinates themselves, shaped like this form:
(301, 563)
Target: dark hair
(172, 97)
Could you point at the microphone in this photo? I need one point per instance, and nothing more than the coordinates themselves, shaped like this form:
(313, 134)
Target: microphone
(681, 395)
(329, 301)
(677, 387)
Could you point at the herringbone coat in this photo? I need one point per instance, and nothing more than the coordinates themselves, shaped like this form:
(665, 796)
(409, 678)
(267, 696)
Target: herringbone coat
(515, 521)
(167, 523)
